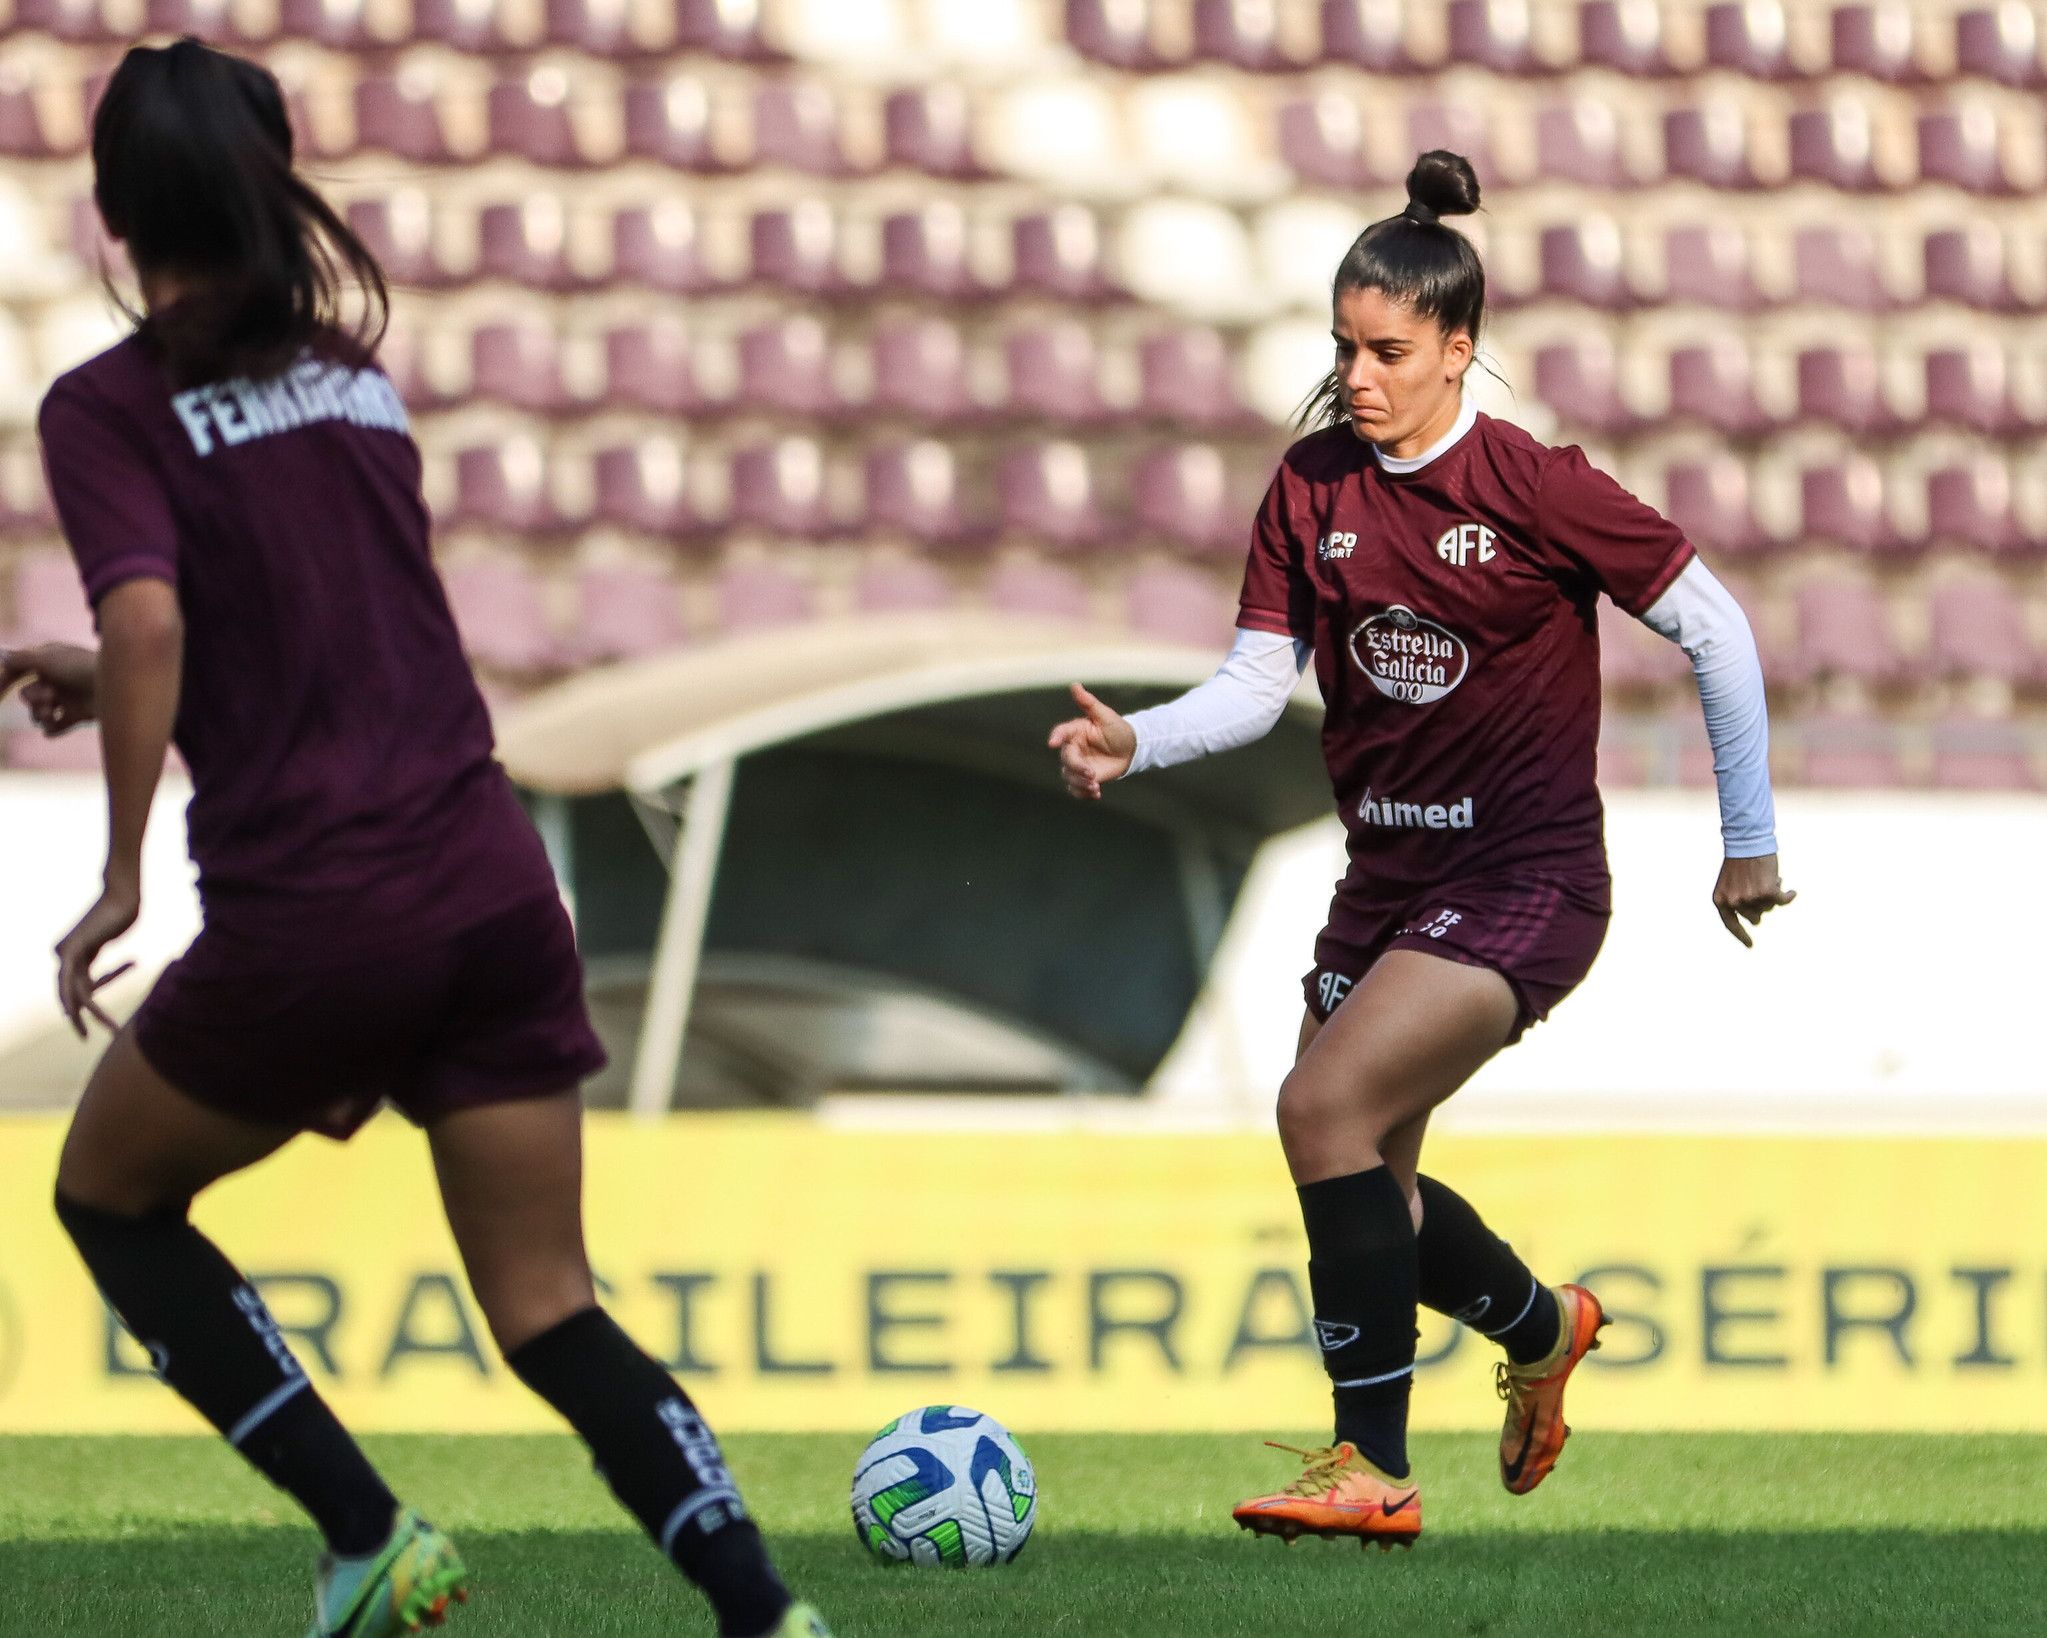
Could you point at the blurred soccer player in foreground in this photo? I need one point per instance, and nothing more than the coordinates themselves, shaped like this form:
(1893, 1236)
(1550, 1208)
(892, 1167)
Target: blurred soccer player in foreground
(239, 486)
(1442, 567)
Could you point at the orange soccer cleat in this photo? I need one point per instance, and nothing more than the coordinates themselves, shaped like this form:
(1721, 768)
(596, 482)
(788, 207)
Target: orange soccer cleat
(1338, 1494)
(1535, 1431)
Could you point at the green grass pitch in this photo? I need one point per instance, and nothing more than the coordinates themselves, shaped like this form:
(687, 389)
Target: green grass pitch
(1798, 1534)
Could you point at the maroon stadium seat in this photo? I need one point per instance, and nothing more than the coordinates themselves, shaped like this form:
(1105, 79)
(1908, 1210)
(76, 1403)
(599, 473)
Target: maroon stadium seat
(1047, 494)
(925, 252)
(1182, 495)
(529, 118)
(920, 369)
(1047, 591)
(914, 489)
(723, 29)
(1366, 34)
(1709, 145)
(785, 367)
(779, 488)
(1181, 605)
(625, 611)
(900, 585)
(339, 25)
(1184, 376)
(1971, 386)
(1982, 754)
(1969, 507)
(1843, 386)
(1580, 141)
(670, 123)
(1715, 384)
(1709, 500)
(2001, 42)
(462, 25)
(1844, 631)
(1494, 35)
(1833, 146)
(502, 614)
(402, 116)
(1968, 265)
(644, 486)
(798, 249)
(1243, 34)
(1709, 263)
(1878, 39)
(400, 234)
(660, 246)
(213, 21)
(796, 123)
(1960, 146)
(1979, 630)
(1115, 32)
(1844, 501)
(504, 486)
(528, 244)
(1322, 140)
(760, 596)
(401, 355)
(1849, 751)
(1461, 127)
(1584, 261)
(599, 28)
(1625, 35)
(1837, 266)
(1059, 253)
(1054, 374)
(1750, 37)
(84, 22)
(930, 128)
(23, 134)
(650, 366)
(1580, 381)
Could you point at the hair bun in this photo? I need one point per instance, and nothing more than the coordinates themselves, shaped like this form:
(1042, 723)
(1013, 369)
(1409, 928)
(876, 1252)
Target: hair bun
(1443, 183)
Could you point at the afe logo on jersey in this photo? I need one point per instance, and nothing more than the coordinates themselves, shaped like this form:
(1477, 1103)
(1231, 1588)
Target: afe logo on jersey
(1408, 658)
(1457, 543)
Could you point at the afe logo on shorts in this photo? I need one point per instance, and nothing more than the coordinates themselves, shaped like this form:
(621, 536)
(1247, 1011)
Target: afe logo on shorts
(1408, 658)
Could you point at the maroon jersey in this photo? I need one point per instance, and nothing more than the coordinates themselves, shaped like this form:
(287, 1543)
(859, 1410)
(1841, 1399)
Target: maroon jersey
(344, 795)
(1452, 614)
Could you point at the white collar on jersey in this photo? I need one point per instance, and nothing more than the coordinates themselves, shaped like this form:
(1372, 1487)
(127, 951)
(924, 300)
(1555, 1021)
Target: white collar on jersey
(1467, 418)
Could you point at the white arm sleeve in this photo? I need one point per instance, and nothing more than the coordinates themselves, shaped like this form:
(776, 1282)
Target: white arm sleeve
(1701, 616)
(1239, 704)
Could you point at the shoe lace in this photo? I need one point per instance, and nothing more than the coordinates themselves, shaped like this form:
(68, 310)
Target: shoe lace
(1320, 1469)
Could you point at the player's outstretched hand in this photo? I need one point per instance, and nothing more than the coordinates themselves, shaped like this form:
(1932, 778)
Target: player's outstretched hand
(1748, 890)
(60, 684)
(77, 989)
(1093, 748)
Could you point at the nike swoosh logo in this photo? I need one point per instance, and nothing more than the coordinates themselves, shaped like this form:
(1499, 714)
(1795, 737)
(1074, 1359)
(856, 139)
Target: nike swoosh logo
(1521, 1456)
(1388, 1508)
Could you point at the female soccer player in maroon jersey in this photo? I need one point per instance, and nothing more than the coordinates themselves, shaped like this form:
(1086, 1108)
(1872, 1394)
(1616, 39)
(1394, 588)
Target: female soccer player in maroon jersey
(239, 486)
(1442, 567)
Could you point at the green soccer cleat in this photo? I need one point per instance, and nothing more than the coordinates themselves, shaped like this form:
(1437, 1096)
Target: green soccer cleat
(801, 1621)
(405, 1585)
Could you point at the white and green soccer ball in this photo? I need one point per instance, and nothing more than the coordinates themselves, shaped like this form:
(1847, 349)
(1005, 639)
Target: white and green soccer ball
(947, 1486)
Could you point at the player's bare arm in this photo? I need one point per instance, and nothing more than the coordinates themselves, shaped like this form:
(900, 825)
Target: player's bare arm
(59, 684)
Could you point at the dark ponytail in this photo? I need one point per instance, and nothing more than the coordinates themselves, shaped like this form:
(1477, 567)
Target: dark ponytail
(192, 167)
(1416, 260)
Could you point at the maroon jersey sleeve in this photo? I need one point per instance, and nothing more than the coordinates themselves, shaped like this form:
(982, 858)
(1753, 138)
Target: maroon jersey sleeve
(1592, 527)
(110, 497)
(1278, 595)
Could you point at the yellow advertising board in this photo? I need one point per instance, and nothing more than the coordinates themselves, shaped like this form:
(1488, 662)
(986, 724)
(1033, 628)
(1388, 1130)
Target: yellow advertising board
(797, 1276)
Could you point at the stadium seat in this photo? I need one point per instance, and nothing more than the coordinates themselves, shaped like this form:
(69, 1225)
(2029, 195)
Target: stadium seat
(1968, 265)
(213, 21)
(1962, 147)
(1972, 387)
(2001, 42)
(1978, 629)
(1184, 376)
(528, 244)
(796, 124)
(1460, 126)
(520, 363)
(81, 22)
(785, 367)
(1580, 141)
(644, 486)
(1709, 500)
(930, 128)
(1039, 590)
(49, 602)
(1751, 38)
(504, 486)
(1579, 380)
(1835, 146)
(1849, 751)
(757, 596)
(1241, 34)
(1182, 495)
(779, 489)
(925, 252)
(399, 232)
(1322, 140)
(1626, 36)
(1838, 266)
(529, 118)
(1843, 502)
(797, 249)
(502, 613)
(913, 489)
(1878, 40)
(1181, 605)
(338, 25)
(625, 611)
(660, 246)
(1116, 33)
(650, 366)
(1367, 34)
(1583, 261)
(401, 115)
(1982, 754)
(1970, 506)
(1054, 374)
(465, 26)
(1709, 263)
(1844, 631)
(1496, 35)
(900, 585)
(670, 123)
(23, 133)
(597, 28)
(1843, 386)
(920, 369)
(1710, 145)
(1047, 495)
(1059, 253)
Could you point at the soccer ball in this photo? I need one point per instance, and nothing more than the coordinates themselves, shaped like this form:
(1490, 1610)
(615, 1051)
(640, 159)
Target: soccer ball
(944, 1485)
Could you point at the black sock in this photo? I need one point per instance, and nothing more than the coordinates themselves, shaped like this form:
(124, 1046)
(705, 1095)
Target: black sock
(1471, 1274)
(1361, 1270)
(212, 1340)
(660, 1459)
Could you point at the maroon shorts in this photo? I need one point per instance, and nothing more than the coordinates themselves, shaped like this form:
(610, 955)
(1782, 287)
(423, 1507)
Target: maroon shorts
(490, 1014)
(1539, 934)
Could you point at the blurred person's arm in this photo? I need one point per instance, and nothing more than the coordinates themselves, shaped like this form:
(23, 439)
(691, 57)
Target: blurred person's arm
(59, 684)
